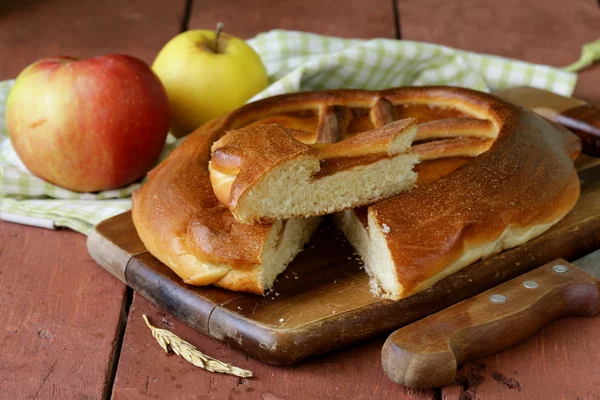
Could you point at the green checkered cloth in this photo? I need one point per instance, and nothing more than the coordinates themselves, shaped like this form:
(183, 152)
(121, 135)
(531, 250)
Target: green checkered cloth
(295, 61)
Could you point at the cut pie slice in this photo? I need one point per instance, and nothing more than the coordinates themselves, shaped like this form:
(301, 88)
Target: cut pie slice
(465, 208)
(262, 173)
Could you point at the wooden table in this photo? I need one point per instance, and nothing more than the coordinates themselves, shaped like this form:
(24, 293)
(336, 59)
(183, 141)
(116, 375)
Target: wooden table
(71, 331)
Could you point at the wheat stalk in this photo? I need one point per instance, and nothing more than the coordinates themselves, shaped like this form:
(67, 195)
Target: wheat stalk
(170, 341)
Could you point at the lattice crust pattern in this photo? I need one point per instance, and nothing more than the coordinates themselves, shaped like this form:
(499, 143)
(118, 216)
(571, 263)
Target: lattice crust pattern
(447, 138)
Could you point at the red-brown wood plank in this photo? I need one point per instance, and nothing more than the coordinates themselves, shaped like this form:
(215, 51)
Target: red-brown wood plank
(561, 361)
(146, 372)
(541, 31)
(355, 19)
(30, 30)
(61, 316)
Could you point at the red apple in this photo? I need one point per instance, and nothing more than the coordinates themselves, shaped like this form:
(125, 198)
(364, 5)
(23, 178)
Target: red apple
(88, 125)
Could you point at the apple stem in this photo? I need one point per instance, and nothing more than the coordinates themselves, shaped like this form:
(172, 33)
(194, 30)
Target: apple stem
(219, 29)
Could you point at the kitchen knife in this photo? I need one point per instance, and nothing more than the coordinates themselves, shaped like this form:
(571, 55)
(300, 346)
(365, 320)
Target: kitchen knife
(581, 118)
(426, 354)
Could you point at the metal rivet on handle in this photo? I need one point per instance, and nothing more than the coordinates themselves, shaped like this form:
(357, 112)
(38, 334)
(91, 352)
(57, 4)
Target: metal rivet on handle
(530, 284)
(560, 269)
(498, 298)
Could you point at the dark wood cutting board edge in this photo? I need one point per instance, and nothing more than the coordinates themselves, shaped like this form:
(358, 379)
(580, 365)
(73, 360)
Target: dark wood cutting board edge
(225, 315)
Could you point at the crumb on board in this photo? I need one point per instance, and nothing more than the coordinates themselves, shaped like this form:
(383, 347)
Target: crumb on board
(281, 320)
(385, 228)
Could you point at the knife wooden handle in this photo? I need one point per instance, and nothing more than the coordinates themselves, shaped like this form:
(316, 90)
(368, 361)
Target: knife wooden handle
(584, 121)
(426, 353)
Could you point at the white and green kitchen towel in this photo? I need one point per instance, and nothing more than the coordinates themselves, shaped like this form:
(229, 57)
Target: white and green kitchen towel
(295, 61)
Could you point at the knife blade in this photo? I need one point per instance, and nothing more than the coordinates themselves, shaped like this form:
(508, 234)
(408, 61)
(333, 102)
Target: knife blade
(426, 354)
(580, 117)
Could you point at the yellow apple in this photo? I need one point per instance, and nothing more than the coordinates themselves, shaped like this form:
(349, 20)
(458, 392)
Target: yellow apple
(207, 74)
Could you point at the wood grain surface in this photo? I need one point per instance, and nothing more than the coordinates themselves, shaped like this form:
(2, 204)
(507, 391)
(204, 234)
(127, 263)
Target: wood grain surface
(356, 19)
(62, 316)
(34, 29)
(426, 354)
(560, 362)
(114, 257)
(585, 122)
(540, 31)
(324, 294)
(146, 372)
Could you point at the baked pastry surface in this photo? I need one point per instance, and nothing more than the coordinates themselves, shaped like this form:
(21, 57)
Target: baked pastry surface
(493, 176)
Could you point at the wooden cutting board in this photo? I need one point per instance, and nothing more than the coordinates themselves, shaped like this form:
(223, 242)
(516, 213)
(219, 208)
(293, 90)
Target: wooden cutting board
(322, 301)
